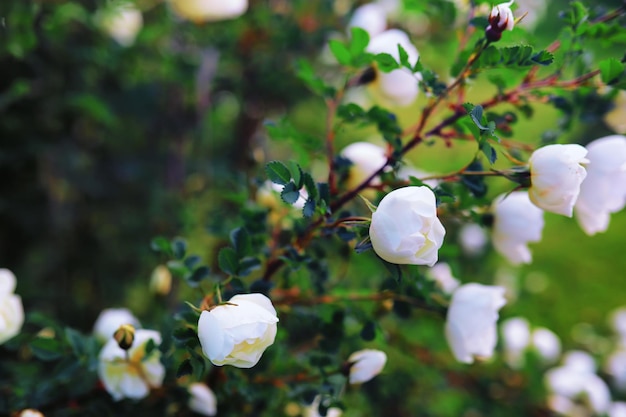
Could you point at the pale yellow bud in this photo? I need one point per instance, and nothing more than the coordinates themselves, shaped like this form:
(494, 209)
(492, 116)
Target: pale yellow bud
(161, 280)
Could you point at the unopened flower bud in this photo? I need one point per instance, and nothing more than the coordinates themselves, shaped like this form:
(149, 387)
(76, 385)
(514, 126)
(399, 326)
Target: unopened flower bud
(500, 19)
(161, 280)
(125, 336)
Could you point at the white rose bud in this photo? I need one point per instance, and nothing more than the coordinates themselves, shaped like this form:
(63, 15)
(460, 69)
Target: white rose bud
(110, 320)
(366, 364)
(400, 86)
(202, 400)
(405, 228)
(237, 333)
(473, 239)
(441, 273)
(199, 11)
(501, 17)
(604, 189)
(122, 23)
(516, 222)
(370, 17)
(161, 280)
(556, 174)
(366, 159)
(471, 321)
(11, 309)
(131, 373)
(547, 344)
(29, 412)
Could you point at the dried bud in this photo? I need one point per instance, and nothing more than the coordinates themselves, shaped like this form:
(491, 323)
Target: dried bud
(125, 336)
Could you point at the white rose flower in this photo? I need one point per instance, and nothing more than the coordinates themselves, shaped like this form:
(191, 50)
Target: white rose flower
(471, 321)
(29, 412)
(473, 239)
(579, 361)
(237, 333)
(131, 374)
(370, 17)
(202, 400)
(556, 174)
(11, 309)
(577, 381)
(501, 16)
(604, 189)
(400, 86)
(617, 409)
(366, 364)
(441, 273)
(122, 23)
(516, 338)
(405, 228)
(407, 171)
(516, 222)
(110, 320)
(199, 11)
(547, 344)
(366, 159)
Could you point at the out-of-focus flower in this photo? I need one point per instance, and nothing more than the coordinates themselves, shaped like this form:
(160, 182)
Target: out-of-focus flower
(617, 320)
(366, 159)
(365, 365)
(199, 11)
(11, 308)
(471, 321)
(617, 409)
(405, 228)
(556, 174)
(441, 273)
(110, 320)
(161, 280)
(547, 344)
(134, 372)
(202, 400)
(604, 189)
(313, 410)
(29, 412)
(616, 367)
(238, 332)
(122, 23)
(516, 223)
(516, 338)
(576, 379)
(400, 86)
(532, 11)
(473, 239)
(616, 118)
(407, 171)
(370, 17)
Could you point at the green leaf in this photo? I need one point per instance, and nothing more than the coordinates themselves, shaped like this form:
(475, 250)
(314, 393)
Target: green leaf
(368, 332)
(228, 261)
(277, 172)
(161, 244)
(296, 173)
(290, 193)
(179, 247)
(404, 57)
(198, 276)
(241, 241)
(386, 63)
(309, 207)
(340, 51)
(47, 349)
(76, 341)
(489, 151)
(358, 41)
(184, 369)
(610, 70)
(477, 116)
(543, 58)
(177, 268)
(309, 185)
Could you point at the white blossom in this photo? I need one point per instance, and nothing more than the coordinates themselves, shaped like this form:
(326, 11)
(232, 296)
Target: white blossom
(441, 273)
(516, 339)
(517, 222)
(365, 365)
(202, 400)
(366, 159)
(471, 321)
(405, 228)
(546, 343)
(110, 320)
(556, 174)
(132, 373)
(199, 11)
(370, 17)
(11, 308)
(122, 23)
(604, 189)
(238, 332)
